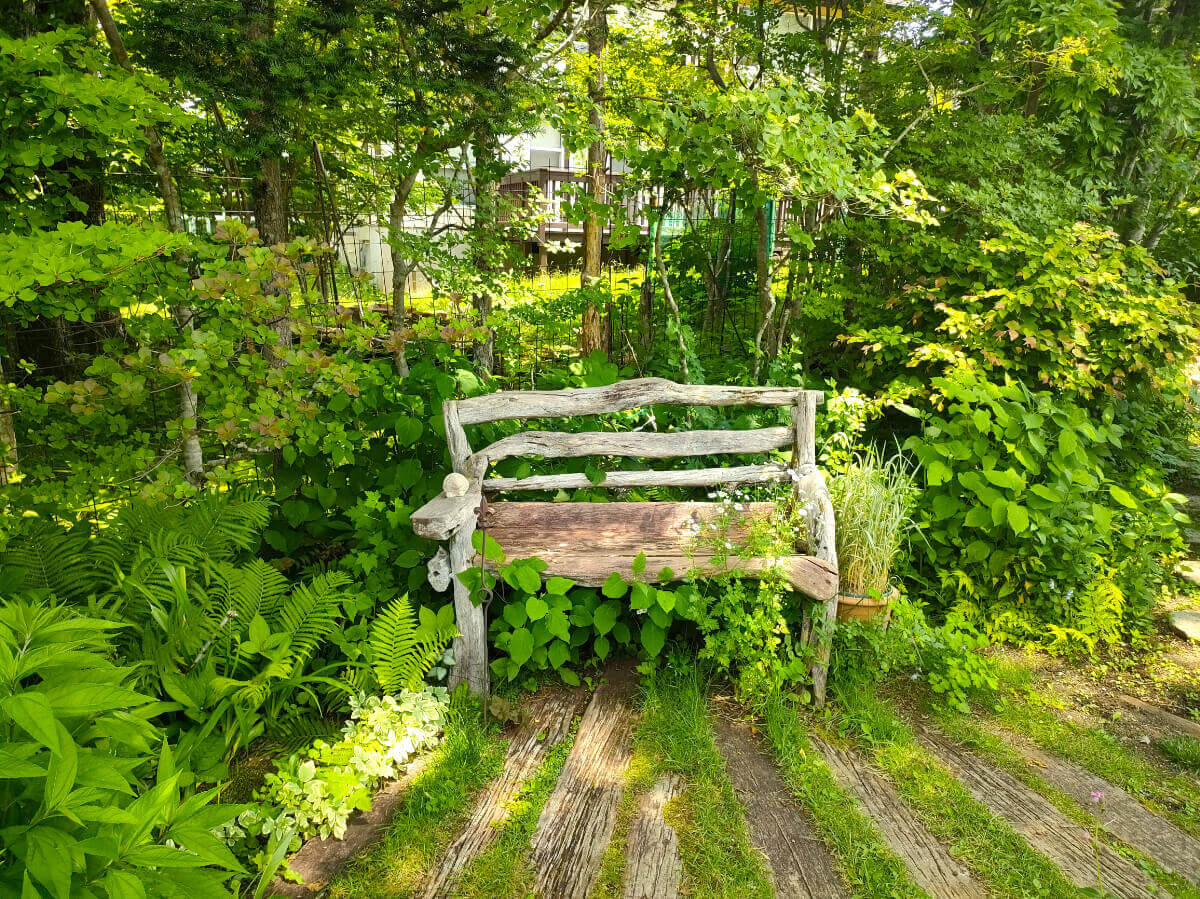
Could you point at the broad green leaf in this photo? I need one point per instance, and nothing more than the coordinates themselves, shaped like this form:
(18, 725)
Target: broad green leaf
(653, 638)
(559, 585)
(1018, 517)
(78, 700)
(32, 713)
(1123, 496)
(14, 761)
(123, 885)
(601, 647)
(606, 616)
(514, 614)
(641, 597)
(557, 624)
(520, 646)
(614, 586)
(536, 607)
(528, 579)
(639, 564)
(559, 652)
(60, 772)
(666, 599)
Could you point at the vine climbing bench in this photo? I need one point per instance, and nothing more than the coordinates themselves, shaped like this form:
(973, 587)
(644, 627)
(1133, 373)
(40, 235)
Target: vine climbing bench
(588, 541)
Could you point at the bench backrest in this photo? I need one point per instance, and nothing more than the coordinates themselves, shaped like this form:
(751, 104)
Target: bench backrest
(800, 435)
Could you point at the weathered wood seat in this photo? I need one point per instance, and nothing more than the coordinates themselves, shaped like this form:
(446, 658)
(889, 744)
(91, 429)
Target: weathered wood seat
(589, 541)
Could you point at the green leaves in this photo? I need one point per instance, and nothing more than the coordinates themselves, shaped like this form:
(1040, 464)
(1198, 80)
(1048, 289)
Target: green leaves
(33, 714)
(520, 646)
(615, 586)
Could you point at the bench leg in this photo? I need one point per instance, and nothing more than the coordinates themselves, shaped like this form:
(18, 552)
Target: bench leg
(470, 648)
(824, 620)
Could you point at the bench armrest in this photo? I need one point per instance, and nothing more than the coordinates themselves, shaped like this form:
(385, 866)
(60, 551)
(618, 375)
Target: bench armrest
(443, 515)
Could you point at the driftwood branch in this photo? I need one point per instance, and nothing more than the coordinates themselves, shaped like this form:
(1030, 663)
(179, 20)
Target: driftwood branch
(618, 398)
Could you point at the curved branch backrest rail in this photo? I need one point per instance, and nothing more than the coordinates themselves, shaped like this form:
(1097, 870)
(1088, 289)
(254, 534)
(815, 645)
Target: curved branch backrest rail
(453, 518)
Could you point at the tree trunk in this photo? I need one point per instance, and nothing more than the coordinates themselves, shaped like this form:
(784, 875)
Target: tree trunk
(8, 430)
(764, 338)
(193, 456)
(716, 279)
(669, 296)
(401, 269)
(597, 34)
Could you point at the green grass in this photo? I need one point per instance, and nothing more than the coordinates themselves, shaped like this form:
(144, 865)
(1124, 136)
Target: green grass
(869, 865)
(437, 805)
(996, 854)
(503, 870)
(1183, 751)
(674, 736)
(1173, 795)
(992, 748)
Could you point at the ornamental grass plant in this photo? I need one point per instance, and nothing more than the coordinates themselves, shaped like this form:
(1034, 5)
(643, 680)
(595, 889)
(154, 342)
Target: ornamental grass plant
(873, 502)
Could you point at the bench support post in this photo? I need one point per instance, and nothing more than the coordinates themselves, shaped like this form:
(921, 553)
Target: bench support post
(470, 647)
(813, 493)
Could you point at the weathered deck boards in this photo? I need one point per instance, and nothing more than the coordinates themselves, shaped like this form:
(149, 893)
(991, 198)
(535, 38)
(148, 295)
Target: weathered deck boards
(1067, 845)
(578, 819)
(931, 866)
(549, 722)
(1119, 813)
(653, 868)
(319, 860)
(801, 866)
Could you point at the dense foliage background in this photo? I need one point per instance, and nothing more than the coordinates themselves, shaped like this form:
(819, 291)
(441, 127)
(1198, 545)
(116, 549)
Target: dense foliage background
(973, 225)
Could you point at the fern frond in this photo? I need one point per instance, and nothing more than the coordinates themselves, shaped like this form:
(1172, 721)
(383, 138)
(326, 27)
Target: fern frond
(222, 523)
(310, 614)
(51, 558)
(403, 650)
(292, 734)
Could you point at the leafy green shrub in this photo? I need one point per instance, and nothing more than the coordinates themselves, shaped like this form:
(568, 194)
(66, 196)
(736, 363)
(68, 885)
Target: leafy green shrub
(946, 656)
(1019, 514)
(239, 650)
(315, 791)
(84, 808)
(1078, 309)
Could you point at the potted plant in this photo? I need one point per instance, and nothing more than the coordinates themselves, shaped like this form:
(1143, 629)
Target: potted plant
(872, 504)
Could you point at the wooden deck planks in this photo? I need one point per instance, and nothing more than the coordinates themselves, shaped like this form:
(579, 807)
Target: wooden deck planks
(1118, 812)
(653, 868)
(929, 863)
(801, 865)
(577, 821)
(1047, 830)
(548, 724)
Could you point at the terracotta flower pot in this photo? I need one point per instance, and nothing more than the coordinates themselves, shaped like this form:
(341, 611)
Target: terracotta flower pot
(856, 607)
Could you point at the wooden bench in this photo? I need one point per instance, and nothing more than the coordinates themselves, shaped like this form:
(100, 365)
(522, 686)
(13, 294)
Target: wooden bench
(588, 541)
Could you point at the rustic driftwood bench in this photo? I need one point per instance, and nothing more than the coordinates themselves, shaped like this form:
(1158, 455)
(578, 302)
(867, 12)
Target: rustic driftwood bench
(589, 541)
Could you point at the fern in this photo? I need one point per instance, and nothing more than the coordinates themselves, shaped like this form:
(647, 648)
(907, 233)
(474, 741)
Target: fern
(47, 557)
(310, 614)
(403, 648)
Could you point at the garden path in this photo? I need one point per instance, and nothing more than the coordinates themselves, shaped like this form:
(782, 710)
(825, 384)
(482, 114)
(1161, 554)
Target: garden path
(588, 825)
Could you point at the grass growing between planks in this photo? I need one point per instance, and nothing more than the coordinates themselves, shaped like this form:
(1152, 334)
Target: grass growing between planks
(1173, 795)
(869, 865)
(996, 854)
(674, 737)
(503, 870)
(437, 805)
(992, 748)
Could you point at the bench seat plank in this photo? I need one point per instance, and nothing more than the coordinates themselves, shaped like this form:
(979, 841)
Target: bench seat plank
(588, 541)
